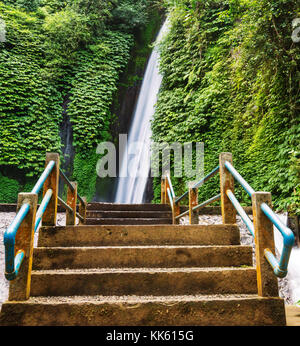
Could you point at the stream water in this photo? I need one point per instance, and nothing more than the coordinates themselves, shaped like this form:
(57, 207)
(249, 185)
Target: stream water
(134, 172)
(293, 275)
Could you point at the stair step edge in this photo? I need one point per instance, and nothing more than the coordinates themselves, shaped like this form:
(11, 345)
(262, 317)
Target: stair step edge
(86, 271)
(132, 299)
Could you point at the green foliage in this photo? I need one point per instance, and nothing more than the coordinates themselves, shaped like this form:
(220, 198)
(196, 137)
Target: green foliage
(9, 189)
(130, 14)
(28, 5)
(94, 86)
(91, 97)
(97, 12)
(57, 53)
(231, 80)
(66, 30)
(52, 6)
(29, 105)
(85, 172)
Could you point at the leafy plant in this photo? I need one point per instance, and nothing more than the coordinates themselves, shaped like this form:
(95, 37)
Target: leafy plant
(61, 56)
(231, 80)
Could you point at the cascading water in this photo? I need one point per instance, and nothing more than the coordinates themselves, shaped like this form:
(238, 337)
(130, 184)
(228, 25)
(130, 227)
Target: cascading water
(293, 275)
(131, 185)
(130, 189)
(68, 151)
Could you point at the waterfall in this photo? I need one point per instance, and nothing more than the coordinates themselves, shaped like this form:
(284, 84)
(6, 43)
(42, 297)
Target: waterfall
(68, 151)
(293, 275)
(131, 185)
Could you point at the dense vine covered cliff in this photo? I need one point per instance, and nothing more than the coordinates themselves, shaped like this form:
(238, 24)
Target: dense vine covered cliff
(63, 59)
(231, 80)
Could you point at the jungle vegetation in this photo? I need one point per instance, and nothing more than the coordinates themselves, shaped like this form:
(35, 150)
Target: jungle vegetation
(58, 53)
(232, 81)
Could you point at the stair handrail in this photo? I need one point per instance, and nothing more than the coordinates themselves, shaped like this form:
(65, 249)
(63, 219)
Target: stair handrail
(279, 267)
(264, 218)
(82, 201)
(202, 181)
(13, 262)
(169, 197)
(18, 237)
(199, 206)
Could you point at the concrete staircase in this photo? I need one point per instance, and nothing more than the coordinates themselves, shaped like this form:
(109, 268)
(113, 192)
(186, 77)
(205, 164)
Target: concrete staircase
(128, 214)
(135, 272)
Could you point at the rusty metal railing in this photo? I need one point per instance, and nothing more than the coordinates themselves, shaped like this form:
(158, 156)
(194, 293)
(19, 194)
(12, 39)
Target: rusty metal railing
(264, 218)
(279, 267)
(168, 196)
(18, 238)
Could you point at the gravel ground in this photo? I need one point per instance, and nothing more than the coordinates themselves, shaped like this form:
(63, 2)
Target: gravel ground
(246, 239)
(5, 221)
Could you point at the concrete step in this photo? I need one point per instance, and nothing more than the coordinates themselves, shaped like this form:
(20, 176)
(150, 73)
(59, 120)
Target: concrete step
(138, 235)
(129, 221)
(128, 207)
(98, 214)
(142, 257)
(143, 281)
(221, 310)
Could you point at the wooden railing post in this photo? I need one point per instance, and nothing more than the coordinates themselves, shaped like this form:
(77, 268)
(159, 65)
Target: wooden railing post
(267, 283)
(19, 288)
(167, 186)
(82, 210)
(163, 190)
(193, 202)
(176, 211)
(72, 202)
(49, 217)
(226, 183)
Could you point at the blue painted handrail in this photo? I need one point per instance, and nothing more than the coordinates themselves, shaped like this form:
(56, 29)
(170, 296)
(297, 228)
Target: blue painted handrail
(42, 209)
(199, 206)
(170, 197)
(13, 262)
(171, 193)
(279, 267)
(207, 177)
(38, 186)
(171, 187)
(241, 211)
(239, 178)
(209, 201)
(67, 181)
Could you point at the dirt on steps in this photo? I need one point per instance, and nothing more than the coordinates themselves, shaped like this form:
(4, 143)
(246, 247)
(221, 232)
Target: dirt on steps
(238, 306)
(141, 257)
(228, 310)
